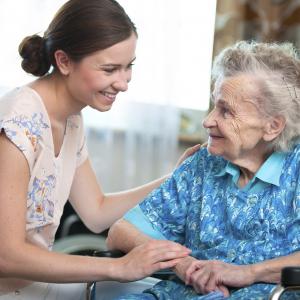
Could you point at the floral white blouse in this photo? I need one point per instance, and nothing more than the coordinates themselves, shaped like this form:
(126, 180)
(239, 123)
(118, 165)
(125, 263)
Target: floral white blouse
(25, 121)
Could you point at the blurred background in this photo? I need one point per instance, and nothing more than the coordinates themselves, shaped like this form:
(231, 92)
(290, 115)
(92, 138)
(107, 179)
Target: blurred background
(161, 115)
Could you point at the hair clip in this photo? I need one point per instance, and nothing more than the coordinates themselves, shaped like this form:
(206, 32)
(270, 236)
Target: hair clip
(292, 91)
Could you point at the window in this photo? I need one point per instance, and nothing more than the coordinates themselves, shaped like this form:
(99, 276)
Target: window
(173, 55)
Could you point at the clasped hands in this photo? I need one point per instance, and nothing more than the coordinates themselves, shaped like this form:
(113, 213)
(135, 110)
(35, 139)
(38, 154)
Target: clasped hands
(206, 276)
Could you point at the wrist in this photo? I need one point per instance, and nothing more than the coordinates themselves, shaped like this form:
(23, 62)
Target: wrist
(181, 267)
(140, 239)
(115, 269)
(265, 272)
(257, 272)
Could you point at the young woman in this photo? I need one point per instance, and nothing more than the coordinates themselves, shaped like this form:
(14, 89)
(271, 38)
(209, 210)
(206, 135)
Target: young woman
(84, 58)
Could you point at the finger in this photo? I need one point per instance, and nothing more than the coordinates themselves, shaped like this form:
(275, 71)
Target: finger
(179, 247)
(170, 255)
(191, 269)
(167, 245)
(224, 290)
(166, 264)
(199, 280)
(193, 149)
(204, 145)
(211, 284)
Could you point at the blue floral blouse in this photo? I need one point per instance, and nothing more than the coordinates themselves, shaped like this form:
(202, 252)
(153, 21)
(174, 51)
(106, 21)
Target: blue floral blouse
(198, 208)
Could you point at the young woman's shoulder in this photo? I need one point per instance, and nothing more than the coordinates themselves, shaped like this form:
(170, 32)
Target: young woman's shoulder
(20, 101)
(23, 120)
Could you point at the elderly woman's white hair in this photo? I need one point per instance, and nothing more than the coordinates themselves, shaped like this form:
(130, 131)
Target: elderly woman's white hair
(276, 68)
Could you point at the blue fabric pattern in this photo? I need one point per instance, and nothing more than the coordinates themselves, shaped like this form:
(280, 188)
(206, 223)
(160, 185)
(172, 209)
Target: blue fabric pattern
(268, 173)
(136, 217)
(217, 220)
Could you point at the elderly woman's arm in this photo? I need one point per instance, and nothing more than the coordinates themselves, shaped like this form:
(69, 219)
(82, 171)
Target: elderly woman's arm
(270, 270)
(212, 275)
(124, 236)
(205, 275)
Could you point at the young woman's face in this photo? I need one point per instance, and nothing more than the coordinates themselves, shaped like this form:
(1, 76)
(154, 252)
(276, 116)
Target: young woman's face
(98, 78)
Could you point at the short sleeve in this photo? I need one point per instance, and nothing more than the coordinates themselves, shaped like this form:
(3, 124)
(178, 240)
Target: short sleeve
(136, 217)
(25, 133)
(166, 208)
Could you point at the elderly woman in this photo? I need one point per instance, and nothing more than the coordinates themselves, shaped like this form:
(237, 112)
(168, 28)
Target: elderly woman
(235, 203)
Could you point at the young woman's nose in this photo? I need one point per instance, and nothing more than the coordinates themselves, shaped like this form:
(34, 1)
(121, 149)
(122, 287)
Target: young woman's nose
(121, 82)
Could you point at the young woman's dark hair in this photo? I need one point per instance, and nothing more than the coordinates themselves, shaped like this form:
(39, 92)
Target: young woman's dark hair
(79, 28)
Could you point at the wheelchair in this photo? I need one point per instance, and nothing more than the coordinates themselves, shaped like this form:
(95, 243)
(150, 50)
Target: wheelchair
(159, 275)
(290, 278)
(290, 281)
(91, 245)
(75, 239)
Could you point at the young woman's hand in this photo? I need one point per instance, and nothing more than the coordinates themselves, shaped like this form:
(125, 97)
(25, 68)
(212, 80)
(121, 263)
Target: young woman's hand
(148, 258)
(188, 152)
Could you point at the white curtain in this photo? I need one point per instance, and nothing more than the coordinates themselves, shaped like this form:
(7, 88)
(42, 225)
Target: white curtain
(133, 143)
(137, 140)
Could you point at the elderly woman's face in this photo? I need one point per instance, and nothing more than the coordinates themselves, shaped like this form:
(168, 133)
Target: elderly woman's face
(235, 126)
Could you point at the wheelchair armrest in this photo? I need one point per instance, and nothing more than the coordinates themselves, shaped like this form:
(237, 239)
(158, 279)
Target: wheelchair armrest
(290, 280)
(109, 253)
(161, 274)
(290, 276)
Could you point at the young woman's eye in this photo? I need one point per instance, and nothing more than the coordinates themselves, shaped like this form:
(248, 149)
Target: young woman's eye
(110, 71)
(129, 67)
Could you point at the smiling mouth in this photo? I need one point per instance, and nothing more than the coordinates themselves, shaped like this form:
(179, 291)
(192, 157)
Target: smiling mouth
(215, 136)
(109, 96)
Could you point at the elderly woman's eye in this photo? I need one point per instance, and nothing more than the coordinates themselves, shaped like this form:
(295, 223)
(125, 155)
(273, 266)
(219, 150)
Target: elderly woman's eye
(225, 112)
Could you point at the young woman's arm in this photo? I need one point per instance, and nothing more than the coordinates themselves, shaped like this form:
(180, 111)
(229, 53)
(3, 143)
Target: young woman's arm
(98, 210)
(21, 259)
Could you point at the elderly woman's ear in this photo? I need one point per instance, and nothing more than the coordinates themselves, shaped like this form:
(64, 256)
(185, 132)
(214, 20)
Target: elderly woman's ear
(274, 127)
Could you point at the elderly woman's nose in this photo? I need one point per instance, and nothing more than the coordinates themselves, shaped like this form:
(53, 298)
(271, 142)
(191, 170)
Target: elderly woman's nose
(210, 120)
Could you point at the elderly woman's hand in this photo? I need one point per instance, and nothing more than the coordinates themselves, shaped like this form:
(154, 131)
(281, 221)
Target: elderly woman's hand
(213, 275)
(183, 265)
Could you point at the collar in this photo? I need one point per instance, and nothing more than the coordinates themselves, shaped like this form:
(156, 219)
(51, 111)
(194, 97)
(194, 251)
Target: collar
(269, 171)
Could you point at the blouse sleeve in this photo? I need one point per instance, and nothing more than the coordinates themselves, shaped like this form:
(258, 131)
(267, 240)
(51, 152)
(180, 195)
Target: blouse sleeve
(166, 208)
(136, 217)
(24, 132)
